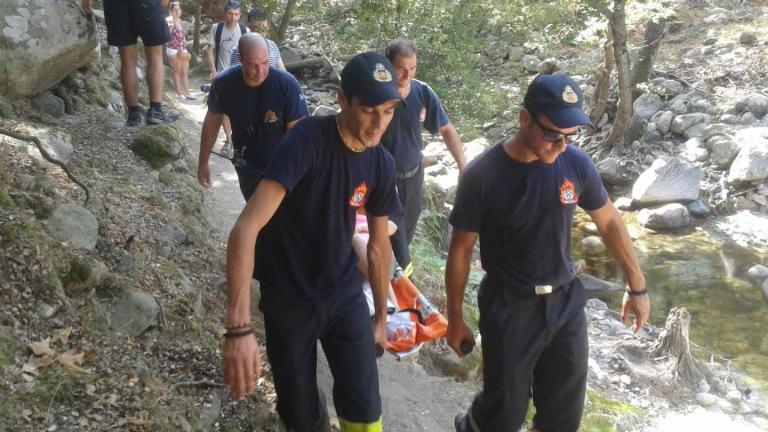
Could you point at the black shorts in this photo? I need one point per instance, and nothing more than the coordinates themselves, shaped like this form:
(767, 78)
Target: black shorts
(128, 19)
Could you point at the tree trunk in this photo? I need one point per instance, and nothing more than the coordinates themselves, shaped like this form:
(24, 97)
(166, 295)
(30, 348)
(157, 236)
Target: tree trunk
(196, 31)
(674, 342)
(290, 7)
(602, 89)
(624, 111)
(654, 31)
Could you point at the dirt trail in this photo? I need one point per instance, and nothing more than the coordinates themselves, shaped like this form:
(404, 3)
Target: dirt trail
(412, 399)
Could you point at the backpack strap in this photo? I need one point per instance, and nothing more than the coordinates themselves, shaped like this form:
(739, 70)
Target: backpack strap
(217, 44)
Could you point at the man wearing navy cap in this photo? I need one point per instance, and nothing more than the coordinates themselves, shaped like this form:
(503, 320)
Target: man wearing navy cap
(323, 172)
(519, 199)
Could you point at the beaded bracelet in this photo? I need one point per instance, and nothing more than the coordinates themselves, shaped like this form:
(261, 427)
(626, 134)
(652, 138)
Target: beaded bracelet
(235, 334)
(239, 326)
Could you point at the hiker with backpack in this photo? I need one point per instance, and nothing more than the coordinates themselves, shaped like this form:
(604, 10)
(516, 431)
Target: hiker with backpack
(224, 36)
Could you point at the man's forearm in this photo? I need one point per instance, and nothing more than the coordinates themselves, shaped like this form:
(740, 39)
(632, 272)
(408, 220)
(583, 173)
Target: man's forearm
(211, 126)
(240, 255)
(453, 143)
(379, 263)
(456, 276)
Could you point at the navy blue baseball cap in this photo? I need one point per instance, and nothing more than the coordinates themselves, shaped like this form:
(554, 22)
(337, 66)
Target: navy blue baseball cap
(559, 98)
(369, 77)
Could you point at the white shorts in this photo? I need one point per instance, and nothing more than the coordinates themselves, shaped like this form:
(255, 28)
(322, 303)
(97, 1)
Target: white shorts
(172, 52)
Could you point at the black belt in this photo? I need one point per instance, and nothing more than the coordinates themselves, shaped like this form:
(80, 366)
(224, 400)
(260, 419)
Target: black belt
(518, 290)
(409, 174)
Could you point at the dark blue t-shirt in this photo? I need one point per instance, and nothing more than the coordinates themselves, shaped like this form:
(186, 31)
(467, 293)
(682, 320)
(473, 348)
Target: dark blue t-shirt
(304, 254)
(259, 115)
(523, 213)
(421, 108)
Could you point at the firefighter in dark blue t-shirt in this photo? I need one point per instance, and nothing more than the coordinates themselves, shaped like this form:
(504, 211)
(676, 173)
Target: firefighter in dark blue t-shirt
(519, 198)
(325, 170)
(421, 108)
(262, 103)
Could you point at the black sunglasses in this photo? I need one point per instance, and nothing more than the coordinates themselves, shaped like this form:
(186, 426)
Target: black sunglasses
(552, 136)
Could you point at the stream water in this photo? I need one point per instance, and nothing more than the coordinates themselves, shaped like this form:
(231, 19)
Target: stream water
(693, 269)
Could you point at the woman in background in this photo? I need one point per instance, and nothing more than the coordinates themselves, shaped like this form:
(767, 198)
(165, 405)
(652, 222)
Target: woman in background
(177, 52)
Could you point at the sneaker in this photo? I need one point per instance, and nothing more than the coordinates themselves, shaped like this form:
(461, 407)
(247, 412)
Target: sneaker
(190, 97)
(226, 148)
(134, 117)
(460, 423)
(156, 116)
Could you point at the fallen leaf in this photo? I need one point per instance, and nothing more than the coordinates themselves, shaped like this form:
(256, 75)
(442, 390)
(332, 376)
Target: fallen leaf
(30, 367)
(42, 348)
(62, 335)
(112, 400)
(72, 362)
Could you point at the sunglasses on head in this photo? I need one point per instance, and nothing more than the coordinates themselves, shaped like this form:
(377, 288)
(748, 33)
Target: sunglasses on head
(552, 136)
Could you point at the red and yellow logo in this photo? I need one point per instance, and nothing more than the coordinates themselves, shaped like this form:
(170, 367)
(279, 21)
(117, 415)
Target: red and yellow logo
(358, 196)
(422, 115)
(270, 117)
(568, 193)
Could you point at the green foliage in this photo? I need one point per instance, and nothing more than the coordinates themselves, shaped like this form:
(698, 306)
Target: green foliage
(157, 145)
(6, 109)
(79, 271)
(6, 200)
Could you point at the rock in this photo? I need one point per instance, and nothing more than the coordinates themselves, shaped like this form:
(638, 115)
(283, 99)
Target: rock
(748, 119)
(693, 150)
(752, 161)
(651, 134)
(698, 209)
(57, 144)
(324, 110)
(695, 131)
(593, 245)
(733, 396)
(669, 216)
(42, 45)
(289, 55)
(609, 171)
(443, 188)
(49, 104)
(625, 379)
(747, 38)
(663, 120)
(755, 103)
(475, 148)
(705, 399)
(758, 272)
(723, 151)
(530, 63)
(74, 225)
(647, 105)
(670, 88)
(180, 166)
(548, 66)
(717, 18)
(593, 284)
(683, 122)
(623, 203)
(716, 129)
(134, 313)
(730, 119)
(667, 181)
(596, 304)
(176, 232)
(159, 145)
(46, 311)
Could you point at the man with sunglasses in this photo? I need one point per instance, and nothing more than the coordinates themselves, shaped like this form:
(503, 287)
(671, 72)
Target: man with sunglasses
(519, 199)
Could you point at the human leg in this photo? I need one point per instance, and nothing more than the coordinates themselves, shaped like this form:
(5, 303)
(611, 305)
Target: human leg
(184, 74)
(155, 72)
(560, 377)
(513, 336)
(128, 77)
(349, 346)
(291, 338)
(413, 203)
(176, 74)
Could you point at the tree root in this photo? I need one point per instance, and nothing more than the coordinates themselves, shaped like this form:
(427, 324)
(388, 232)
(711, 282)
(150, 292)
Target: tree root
(4, 130)
(674, 342)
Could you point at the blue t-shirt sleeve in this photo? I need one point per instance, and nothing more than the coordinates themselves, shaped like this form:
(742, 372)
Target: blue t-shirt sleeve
(467, 213)
(293, 159)
(593, 195)
(383, 199)
(296, 104)
(436, 116)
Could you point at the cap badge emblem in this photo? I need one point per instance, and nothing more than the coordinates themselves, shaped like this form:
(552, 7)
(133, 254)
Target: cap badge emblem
(569, 95)
(381, 73)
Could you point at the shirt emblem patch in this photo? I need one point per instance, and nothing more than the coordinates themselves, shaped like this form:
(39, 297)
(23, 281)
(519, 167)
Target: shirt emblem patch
(381, 73)
(569, 95)
(270, 117)
(422, 115)
(359, 195)
(568, 193)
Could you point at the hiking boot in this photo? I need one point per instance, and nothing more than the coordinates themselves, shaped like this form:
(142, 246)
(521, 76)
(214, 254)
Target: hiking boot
(156, 116)
(134, 117)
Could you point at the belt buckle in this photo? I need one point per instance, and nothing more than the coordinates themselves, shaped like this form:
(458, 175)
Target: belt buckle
(543, 289)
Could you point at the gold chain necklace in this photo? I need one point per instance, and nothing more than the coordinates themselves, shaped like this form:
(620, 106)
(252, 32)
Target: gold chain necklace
(341, 135)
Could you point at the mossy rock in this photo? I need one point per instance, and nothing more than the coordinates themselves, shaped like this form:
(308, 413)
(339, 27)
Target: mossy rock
(191, 195)
(6, 110)
(159, 145)
(5, 200)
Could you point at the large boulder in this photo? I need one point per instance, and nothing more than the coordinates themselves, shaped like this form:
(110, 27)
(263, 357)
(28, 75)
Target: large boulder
(134, 313)
(75, 226)
(669, 216)
(752, 161)
(647, 105)
(755, 103)
(159, 145)
(684, 122)
(41, 42)
(667, 180)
